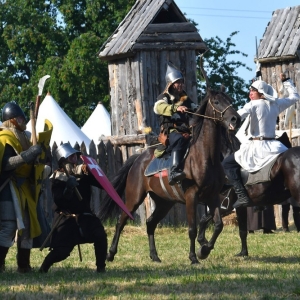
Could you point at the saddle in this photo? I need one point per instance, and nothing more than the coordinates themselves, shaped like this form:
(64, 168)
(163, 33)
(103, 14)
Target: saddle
(262, 175)
(157, 165)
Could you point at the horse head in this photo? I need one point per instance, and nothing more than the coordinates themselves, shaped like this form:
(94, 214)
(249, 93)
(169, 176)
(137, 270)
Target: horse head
(219, 107)
(220, 103)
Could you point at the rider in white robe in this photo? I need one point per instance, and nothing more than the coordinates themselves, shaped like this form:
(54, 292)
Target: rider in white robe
(255, 154)
(262, 147)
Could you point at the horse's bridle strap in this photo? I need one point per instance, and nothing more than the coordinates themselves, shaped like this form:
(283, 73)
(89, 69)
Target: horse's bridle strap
(215, 110)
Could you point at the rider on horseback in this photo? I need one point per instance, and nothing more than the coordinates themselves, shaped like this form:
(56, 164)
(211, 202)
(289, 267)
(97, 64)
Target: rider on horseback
(171, 106)
(262, 147)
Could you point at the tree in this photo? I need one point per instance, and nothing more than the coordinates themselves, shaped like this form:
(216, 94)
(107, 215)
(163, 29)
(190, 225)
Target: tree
(59, 38)
(223, 71)
(28, 35)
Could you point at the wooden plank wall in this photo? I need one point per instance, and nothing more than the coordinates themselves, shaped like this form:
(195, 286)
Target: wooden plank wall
(135, 83)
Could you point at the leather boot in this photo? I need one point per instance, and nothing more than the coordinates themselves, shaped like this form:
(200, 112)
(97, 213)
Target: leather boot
(242, 198)
(176, 174)
(3, 252)
(100, 253)
(47, 263)
(285, 217)
(23, 260)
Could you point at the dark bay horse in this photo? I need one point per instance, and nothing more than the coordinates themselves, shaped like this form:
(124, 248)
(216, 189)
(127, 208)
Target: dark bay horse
(204, 178)
(285, 183)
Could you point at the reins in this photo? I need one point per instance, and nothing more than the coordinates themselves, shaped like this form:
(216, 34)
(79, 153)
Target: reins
(214, 110)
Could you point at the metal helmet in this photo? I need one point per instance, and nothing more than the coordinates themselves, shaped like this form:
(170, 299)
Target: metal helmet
(12, 110)
(172, 74)
(64, 151)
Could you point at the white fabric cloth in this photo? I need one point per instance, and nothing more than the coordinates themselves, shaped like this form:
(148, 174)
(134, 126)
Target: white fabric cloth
(255, 154)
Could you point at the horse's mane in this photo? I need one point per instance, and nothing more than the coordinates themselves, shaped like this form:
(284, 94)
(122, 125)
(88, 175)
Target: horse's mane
(197, 121)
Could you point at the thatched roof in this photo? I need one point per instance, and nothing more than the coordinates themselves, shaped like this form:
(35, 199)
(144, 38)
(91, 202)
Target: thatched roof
(152, 24)
(282, 36)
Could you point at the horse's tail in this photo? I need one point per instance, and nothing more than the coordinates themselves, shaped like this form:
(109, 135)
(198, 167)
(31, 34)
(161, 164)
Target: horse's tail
(108, 207)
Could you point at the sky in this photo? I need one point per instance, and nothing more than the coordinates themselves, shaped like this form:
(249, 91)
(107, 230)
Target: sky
(221, 18)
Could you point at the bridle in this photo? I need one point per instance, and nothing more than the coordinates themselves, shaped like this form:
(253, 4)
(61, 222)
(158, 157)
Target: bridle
(220, 119)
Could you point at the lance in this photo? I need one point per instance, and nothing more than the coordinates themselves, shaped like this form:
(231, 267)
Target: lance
(38, 98)
(34, 112)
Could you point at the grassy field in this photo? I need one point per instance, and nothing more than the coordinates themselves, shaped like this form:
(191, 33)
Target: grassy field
(271, 271)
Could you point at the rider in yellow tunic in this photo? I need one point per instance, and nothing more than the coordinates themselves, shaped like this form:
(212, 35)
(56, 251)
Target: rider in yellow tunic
(23, 192)
(17, 202)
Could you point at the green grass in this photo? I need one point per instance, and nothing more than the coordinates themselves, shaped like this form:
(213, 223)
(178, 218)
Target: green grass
(271, 271)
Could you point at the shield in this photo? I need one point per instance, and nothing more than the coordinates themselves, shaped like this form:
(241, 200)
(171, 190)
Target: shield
(95, 169)
(43, 140)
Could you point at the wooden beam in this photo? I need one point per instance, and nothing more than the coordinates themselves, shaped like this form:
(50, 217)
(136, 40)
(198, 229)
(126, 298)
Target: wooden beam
(170, 27)
(170, 37)
(276, 59)
(171, 46)
(116, 56)
(125, 139)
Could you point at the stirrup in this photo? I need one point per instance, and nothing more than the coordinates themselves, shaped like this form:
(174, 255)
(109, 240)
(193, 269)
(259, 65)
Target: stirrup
(179, 177)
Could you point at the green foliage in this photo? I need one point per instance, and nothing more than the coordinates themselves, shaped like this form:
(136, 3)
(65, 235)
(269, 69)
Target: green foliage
(222, 70)
(59, 38)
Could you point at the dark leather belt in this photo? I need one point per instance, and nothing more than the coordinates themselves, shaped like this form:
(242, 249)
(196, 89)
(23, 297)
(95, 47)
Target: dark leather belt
(261, 138)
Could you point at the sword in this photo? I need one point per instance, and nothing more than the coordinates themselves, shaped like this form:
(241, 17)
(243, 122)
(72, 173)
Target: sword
(79, 253)
(52, 230)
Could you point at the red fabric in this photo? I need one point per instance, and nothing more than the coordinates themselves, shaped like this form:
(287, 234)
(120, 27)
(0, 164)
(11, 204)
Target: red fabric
(164, 173)
(105, 183)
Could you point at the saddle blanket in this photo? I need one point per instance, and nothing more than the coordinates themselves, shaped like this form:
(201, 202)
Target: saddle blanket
(262, 175)
(157, 165)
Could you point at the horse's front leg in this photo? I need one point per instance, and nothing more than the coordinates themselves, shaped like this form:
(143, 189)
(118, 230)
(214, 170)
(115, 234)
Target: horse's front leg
(114, 245)
(191, 206)
(204, 220)
(218, 227)
(241, 213)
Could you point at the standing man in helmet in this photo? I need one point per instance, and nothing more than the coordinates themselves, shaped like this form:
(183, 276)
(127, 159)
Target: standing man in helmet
(17, 204)
(262, 147)
(171, 106)
(74, 221)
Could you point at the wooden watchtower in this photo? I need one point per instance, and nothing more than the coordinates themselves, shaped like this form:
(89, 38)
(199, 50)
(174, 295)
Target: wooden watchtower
(153, 33)
(279, 52)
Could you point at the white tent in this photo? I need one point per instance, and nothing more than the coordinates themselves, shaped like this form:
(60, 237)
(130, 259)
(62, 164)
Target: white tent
(98, 124)
(64, 129)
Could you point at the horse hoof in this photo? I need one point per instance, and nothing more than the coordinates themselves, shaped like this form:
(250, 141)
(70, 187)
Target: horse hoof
(155, 259)
(194, 261)
(110, 257)
(203, 252)
(241, 254)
